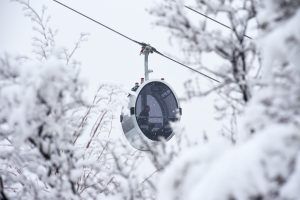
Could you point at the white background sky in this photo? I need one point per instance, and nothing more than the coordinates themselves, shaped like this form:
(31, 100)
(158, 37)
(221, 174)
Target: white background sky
(106, 57)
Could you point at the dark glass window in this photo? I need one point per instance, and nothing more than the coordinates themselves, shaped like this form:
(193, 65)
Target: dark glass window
(156, 107)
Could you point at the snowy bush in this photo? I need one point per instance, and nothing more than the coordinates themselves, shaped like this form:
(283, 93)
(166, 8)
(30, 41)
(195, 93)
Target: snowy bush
(37, 101)
(236, 53)
(41, 119)
(265, 162)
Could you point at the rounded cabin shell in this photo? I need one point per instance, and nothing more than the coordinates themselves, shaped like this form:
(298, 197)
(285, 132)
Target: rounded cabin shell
(152, 107)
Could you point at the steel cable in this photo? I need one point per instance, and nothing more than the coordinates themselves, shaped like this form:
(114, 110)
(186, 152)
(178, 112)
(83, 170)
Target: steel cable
(135, 41)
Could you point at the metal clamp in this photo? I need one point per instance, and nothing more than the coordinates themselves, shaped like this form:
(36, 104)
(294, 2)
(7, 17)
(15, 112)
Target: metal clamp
(146, 50)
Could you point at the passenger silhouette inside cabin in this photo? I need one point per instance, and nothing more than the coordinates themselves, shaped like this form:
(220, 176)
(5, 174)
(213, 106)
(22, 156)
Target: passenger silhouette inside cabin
(146, 125)
(144, 122)
(144, 116)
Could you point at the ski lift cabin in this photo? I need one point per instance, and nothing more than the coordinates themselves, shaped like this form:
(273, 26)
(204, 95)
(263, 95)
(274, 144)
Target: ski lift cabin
(152, 108)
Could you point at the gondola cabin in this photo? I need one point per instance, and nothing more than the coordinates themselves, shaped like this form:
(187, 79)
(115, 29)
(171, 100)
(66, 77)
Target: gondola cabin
(153, 106)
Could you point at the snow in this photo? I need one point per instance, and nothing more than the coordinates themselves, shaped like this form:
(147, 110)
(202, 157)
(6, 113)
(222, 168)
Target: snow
(264, 164)
(41, 112)
(217, 171)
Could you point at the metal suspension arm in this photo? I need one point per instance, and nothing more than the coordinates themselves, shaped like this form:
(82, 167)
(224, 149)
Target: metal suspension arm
(146, 50)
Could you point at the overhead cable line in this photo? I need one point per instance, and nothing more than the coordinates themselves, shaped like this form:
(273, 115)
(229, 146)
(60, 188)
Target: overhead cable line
(186, 66)
(135, 41)
(97, 22)
(214, 20)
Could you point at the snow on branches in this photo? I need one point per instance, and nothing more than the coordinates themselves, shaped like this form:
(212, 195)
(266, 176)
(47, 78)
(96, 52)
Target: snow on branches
(264, 164)
(41, 118)
(203, 41)
(37, 101)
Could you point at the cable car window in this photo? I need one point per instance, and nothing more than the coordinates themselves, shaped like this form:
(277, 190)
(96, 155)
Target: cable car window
(155, 110)
(156, 107)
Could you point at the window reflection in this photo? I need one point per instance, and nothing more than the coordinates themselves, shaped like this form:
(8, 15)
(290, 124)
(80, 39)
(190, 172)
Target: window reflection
(156, 107)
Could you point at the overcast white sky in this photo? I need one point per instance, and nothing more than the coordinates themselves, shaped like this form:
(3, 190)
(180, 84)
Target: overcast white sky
(106, 57)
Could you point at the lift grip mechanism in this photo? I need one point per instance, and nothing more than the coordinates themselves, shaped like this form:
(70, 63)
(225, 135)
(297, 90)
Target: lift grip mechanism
(146, 50)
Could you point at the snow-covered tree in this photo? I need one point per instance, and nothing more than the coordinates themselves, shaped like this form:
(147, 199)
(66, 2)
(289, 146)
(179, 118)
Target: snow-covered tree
(234, 50)
(37, 102)
(265, 162)
(135, 174)
(42, 119)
